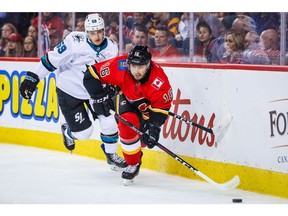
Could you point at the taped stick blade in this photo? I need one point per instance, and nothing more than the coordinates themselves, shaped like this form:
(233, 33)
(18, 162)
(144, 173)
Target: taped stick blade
(233, 183)
(221, 128)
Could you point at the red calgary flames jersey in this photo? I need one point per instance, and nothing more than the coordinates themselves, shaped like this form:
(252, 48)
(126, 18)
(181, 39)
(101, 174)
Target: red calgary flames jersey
(156, 91)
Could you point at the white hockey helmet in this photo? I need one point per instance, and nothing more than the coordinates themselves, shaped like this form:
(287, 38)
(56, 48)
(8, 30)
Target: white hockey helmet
(94, 22)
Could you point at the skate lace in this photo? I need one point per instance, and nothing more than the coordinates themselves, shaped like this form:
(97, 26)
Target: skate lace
(117, 159)
(132, 168)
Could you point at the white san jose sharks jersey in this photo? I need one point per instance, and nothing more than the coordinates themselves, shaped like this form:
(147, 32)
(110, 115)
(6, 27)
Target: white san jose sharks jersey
(69, 59)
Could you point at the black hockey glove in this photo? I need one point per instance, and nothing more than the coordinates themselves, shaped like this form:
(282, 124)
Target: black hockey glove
(101, 104)
(110, 90)
(28, 86)
(151, 136)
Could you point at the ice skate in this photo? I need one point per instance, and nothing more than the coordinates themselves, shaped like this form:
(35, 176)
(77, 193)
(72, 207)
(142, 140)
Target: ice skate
(68, 141)
(114, 160)
(130, 173)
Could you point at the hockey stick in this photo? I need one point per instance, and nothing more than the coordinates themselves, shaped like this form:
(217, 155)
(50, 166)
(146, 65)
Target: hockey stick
(209, 130)
(233, 183)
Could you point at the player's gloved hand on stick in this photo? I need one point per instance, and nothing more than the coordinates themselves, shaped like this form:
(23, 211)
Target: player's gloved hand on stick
(110, 90)
(28, 86)
(151, 136)
(100, 104)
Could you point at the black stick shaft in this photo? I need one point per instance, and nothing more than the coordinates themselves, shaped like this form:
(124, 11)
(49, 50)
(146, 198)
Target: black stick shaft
(224, 186)
(209, 130)
(177, 158)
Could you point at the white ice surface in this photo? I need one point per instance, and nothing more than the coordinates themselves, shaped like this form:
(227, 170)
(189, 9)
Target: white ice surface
(37, 176)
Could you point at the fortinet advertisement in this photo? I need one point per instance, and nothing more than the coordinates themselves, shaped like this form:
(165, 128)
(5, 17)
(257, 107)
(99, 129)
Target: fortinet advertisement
(246, 108)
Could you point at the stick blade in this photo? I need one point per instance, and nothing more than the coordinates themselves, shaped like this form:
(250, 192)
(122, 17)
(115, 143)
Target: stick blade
(231, 184)
(221, 128)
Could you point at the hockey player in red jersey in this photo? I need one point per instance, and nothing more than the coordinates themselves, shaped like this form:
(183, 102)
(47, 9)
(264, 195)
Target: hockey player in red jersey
(145, 89)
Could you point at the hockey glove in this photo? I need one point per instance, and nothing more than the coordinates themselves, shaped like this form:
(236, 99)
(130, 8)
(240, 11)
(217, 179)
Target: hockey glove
(28, 86)
(100, 104)
(151, 136)
(110, 90)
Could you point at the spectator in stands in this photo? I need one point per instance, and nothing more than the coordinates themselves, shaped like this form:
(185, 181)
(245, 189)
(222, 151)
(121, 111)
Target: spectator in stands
(44, 45)
(140, 37)
(270, 41)
(266, 20)
(252, 40)
(228, 19)
(7, 29)
(216, 25)
(138, 18)
(115, 38)
(242, 24)
(112, 29)
(21, 20)
(149, 22)
(80, 24)
(155, 20)
(254, 53)
(113, 24)
(55, 39)
(164, 51)
(204, 35)
(168, 20)
(30, 47)
(33, 32)
(53, 22)
(14, 46)
(183, 29)
(234, 47)
(67, 24)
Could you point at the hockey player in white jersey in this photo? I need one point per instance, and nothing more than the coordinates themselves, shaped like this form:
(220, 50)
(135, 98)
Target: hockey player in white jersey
(68, 60)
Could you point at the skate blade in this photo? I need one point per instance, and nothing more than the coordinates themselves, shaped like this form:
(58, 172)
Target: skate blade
(128, 182)
(116, 168)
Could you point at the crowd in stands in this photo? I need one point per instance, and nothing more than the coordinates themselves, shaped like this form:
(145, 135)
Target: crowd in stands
(226, 38)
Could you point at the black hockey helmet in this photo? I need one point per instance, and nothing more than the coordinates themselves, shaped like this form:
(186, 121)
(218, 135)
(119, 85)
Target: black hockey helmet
(139, 55)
